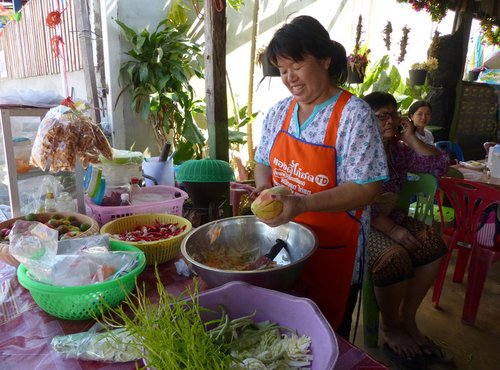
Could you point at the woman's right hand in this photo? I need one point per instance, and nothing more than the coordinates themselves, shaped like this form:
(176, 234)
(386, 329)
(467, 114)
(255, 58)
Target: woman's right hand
(402, 236)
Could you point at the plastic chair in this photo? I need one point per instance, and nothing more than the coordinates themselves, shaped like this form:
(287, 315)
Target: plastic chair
(470, 200)
(424, 190)
(451, 148)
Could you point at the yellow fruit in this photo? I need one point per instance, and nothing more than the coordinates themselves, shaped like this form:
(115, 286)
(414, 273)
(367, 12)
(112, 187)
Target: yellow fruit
(265, 207)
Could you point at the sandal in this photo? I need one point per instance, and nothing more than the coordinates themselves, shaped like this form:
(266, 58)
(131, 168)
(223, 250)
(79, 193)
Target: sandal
(403, 362)
(435, 352)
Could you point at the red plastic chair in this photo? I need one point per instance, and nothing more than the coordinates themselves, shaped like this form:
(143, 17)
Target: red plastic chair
(470, 200)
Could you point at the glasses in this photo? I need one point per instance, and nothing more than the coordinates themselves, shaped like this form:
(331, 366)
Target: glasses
(385, 116)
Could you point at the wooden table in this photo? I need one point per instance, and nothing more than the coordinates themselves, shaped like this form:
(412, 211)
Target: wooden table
(26, 331)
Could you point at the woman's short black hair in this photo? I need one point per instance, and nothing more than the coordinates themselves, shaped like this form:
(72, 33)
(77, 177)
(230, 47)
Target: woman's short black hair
(417, 105)
(304, 35)
(380, 99)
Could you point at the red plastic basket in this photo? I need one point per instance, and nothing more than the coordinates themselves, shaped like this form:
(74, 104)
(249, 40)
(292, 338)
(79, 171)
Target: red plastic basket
(171, 206)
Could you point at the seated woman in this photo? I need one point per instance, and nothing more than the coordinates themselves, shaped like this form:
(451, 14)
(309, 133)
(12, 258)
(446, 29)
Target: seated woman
(403, 253)
(420, 114)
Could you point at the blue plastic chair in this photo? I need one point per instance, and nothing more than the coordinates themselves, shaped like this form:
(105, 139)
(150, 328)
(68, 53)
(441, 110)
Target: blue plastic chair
(451, 148)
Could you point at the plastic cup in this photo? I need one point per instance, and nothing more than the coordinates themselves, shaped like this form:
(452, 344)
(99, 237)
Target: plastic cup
(162, 172)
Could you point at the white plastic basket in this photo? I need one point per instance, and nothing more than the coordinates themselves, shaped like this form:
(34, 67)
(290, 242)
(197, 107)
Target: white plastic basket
(173, 205)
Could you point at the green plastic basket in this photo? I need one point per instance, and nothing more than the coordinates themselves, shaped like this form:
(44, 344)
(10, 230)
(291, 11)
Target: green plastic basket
(204, 170)
(86, 301)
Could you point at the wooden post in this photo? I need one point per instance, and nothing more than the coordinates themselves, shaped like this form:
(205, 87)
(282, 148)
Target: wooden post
(215, 80)
(215, 86)
(83, 25)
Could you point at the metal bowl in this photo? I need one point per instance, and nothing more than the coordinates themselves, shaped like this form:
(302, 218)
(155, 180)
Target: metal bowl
(242, 232)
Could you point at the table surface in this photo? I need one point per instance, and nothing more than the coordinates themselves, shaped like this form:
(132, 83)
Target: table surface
(478, 176)
(26, 330)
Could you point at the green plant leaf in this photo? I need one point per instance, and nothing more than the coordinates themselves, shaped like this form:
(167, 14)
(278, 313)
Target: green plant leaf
(237, 137)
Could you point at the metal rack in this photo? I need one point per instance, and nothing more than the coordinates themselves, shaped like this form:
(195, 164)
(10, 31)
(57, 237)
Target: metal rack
(6, 112)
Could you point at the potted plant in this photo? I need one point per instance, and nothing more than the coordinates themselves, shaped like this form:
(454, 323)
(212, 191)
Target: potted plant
(268, 69)
(418, 71)
(358, 59)
(158, 78)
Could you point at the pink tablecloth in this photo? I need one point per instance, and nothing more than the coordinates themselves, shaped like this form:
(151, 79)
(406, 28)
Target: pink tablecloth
(26, 330)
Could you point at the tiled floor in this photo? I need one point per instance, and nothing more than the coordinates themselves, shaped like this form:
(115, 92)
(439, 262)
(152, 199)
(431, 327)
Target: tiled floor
(474, 347)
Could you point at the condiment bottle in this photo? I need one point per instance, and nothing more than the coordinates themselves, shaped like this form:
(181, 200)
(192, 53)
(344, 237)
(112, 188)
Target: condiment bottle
(125, 199)
(134, 186)
(50, 202)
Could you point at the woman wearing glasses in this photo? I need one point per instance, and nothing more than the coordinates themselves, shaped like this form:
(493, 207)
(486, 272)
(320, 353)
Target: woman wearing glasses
(403, 253)
(324, 144)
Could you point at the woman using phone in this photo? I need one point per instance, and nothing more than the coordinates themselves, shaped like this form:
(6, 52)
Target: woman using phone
(403, 253)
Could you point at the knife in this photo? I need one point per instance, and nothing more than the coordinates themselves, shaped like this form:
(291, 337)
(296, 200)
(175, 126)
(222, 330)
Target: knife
(266, 259)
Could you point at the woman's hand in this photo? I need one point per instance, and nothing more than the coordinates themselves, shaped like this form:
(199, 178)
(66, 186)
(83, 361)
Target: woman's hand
(293, 205)
(408, 132)
(402, 236)
(254, 194)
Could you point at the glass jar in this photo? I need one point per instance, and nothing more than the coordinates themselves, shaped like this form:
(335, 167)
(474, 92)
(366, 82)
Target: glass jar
(22, 153)
(65, 203)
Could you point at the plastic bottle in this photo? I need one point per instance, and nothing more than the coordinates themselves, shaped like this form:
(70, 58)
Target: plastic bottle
(125, 198)
(134, 186)
(50, 202)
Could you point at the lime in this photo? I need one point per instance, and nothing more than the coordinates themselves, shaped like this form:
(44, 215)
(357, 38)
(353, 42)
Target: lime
(30, 217)
(84, 227)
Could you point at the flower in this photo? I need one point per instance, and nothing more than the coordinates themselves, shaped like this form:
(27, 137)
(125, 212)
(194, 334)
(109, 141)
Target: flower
(358, 59)
(436, 8)
(358, 62)
(429, 65)
(490, 32)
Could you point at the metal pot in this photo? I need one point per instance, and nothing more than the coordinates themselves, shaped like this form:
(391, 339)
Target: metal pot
(243, 232)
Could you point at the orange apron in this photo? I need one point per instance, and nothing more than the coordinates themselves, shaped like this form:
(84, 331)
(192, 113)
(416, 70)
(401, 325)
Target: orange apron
(309, 168)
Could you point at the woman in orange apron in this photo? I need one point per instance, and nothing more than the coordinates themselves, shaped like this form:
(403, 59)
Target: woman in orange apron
(324, 145)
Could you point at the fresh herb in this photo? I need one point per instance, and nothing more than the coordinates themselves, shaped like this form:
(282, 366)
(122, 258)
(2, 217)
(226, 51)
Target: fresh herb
(170, 333)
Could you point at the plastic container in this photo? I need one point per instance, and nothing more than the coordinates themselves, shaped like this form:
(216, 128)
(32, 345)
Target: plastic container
(22, 153)
(125, 199)
(113, 195)
(83, 302)
(163, 199)
(124, 166)
(65, 203)
(302, 314)
(158, 251)
(161, 172)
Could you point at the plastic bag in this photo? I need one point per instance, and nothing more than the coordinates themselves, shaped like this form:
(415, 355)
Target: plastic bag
(72, 262)
(32, 98)
(96, 345)
(33, 244)
(65, 134)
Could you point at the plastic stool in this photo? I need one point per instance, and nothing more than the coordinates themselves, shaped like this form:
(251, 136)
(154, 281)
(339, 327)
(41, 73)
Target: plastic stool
(448, 215)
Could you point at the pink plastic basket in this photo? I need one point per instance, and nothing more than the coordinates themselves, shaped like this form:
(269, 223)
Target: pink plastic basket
(171, 206)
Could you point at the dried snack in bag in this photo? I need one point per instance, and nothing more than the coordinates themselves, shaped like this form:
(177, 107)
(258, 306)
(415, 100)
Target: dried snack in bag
(65, 134)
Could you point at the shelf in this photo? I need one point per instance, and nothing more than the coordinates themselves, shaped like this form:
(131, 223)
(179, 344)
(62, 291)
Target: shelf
(6, 112)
